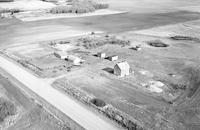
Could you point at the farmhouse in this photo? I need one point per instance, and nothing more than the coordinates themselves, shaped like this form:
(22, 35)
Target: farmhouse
(75, 60)
(113, 58)
(61, 54)
(101, 55)
(122, 69)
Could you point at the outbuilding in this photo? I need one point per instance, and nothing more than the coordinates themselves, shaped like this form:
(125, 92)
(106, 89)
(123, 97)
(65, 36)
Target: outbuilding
(61, 54)
(122, 69)
(75, 60)
(113, 58)
(137, 48)
(101, 55)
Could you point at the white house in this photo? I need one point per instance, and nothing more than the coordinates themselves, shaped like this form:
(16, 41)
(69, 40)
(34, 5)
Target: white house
(101, 55)
(61, 54)
(122, 69)
(113, 58)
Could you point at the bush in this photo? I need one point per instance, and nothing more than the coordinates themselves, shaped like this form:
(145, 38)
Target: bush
(77, 6)
(90, 42)
(186, 38)
(193, 78)
(6, 109)
(99, 6)
(6, 0)
(98, 102)
(61, 9)
(114, 40)
(84, 6)
(157, 43)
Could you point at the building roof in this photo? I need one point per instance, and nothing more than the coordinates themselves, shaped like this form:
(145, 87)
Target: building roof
(113, 56)
(101, 53)
(61, 53)
(72, 57)
(123, 65)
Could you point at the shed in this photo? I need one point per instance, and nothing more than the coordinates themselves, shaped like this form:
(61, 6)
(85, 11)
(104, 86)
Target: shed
(61, 54)
(113, 58)
(122, 69)
(137, 48)
(75, 60)
(101, 55)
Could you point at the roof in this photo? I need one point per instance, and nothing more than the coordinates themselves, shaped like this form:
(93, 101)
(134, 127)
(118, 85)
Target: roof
(113, 56)
(101, 53)
(61, 53)
(72, 57)
(123, 65)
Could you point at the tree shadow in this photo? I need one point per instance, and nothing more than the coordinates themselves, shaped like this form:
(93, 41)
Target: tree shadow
(133, 48)
(107, 58)
(95, 55)
(109, 70)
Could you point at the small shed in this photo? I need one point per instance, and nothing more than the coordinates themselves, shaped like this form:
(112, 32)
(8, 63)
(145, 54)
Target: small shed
(137, 48)
(101, 55)
(61, 54)
(75, 60)
(122, 69)
(113, 58)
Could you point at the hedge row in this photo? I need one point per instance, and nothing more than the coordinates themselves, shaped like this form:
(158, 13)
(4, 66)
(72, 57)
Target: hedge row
(6, 0)
(9, 10)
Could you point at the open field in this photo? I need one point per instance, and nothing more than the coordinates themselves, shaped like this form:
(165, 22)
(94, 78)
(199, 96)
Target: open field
(162, 91)
(148, 6)
(25, 5)
(25, 33)
(32, 16)
(40, 59)
(190, 28)
(167, 65)
(131, 95)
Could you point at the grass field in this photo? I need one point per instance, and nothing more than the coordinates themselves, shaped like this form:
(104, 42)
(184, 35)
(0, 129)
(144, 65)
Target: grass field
(150, 64)
(55, 29)
(175, 106)
(30, 115)
(131, 95)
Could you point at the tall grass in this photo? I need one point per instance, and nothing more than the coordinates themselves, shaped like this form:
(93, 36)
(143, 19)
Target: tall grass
(7, 108)
(193, 80)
